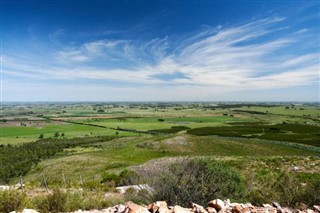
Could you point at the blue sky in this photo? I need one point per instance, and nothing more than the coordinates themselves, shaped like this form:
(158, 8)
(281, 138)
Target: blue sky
(160, 51)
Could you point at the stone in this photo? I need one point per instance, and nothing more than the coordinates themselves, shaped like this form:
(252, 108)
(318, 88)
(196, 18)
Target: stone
(227, 203)
(302, 206)
(119, 208)
(158, 207)
(197, 208)
(217, 204)
(179, 209)
(236, 209)
(316, 208)
(287, 210)
(211, 210)
(135, 208)
(245, 210)
(278, 206)
(29, 211)
(4, 187)
(295, 169)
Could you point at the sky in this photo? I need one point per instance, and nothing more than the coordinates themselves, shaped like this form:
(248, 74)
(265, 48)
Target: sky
(54, 50)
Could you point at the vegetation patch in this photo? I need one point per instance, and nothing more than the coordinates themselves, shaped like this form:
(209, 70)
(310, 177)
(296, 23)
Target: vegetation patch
(280, 132)
(172, 130)
(18, 160)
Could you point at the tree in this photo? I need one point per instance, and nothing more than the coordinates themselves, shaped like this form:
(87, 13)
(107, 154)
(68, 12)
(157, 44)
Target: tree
(41, 136)
(56, 134)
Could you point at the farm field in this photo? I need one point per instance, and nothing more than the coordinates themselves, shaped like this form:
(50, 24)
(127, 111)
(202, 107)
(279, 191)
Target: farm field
(85, 143)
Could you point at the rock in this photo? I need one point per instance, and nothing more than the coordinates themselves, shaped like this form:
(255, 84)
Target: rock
(197, 208)
(309, 211)
(249, 205)
(316, 208)
(275, 204)
(4, 187)
(135, 208)
(211, 210)
(302, 206)
(29, 211)
(227, 203)
(179, 209)
(158, 207)
(245, 210)
(278, 207)
(236, 209)
(267, 206)
(295, 169)
(119, 208)
(217, 204)
(287, 210)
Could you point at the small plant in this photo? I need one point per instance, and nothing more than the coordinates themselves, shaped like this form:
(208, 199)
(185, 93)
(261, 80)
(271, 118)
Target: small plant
(41, 136)
(56, 134)
(110, 179)
(11, 200)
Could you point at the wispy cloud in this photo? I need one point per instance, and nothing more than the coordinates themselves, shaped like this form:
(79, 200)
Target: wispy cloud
(233, 58)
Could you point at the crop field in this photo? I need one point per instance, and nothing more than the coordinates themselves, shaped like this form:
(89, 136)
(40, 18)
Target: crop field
(83, 142)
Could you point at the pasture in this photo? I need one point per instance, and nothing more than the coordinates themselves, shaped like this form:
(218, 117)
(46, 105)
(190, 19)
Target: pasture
(238, 134)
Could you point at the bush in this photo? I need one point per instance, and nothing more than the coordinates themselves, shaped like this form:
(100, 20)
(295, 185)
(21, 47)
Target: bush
(71, 201)
(312, 193)
(195, 179)
(110, 179)
(127, 177)
(286, 188)
(11, 200)
(55, 202)
(136, 196)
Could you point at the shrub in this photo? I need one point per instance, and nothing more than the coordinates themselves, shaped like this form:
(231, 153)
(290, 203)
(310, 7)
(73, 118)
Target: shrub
(127, 177)
(136, 196)
(267, 186)
(195, 179)
(110, 178)
(71, 201)
(11, 200)
(312, 193)
(56, 202)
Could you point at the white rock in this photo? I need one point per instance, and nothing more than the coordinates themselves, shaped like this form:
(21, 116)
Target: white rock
(4, 187)
(227, 202)
(179, 209)
(197, 208)
(29, 211)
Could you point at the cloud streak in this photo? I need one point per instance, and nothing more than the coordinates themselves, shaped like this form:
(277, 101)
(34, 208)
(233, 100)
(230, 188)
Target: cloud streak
(230, 58)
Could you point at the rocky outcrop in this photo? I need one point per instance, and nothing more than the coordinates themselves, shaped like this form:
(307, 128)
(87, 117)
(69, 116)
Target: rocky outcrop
(214, 206)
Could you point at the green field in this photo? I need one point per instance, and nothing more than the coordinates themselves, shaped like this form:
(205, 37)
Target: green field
(248, 137)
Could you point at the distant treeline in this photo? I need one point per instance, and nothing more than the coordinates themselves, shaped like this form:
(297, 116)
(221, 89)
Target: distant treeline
(18, 160)
(250, 112)
(297, 133)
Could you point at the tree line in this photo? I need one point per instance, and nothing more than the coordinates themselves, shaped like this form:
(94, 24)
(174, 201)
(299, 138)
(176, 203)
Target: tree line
(16, 161)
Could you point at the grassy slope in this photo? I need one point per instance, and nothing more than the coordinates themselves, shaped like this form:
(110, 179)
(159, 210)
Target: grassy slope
(124, 152)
